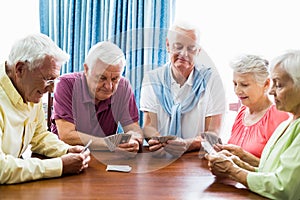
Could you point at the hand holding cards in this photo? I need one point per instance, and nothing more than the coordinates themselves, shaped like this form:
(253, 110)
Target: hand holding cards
(212, 138)
(163, 139)
(208, 140)
(208, 147)
(86, 146)
(113, 141)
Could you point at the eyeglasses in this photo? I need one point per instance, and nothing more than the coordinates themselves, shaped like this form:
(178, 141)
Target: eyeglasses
(178, 48)
(48, 82)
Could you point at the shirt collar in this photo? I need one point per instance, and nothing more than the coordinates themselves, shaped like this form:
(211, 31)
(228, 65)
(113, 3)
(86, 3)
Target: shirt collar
(86, 97)
(10, 89)
(188, 82)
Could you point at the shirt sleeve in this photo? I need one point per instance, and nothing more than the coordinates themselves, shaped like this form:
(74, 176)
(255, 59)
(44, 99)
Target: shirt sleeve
(127, 108)
(17, 170)
(62, 102)
(283, 182)
(217, 100)
(44, 142)
(148, 101)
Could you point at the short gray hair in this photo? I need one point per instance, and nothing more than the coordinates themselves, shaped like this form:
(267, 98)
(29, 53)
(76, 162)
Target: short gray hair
(107, 52)
(186, 26)
(33, 49)
(290, 62)
(254, 64)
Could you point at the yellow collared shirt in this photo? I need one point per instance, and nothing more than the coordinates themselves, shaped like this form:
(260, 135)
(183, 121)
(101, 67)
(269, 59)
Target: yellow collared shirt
(22, 124)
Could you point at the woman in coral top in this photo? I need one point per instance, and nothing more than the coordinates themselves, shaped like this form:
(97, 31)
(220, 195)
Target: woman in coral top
(258, 117)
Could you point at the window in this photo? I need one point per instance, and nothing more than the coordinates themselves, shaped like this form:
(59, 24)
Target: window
(229, 28)
(17, 19)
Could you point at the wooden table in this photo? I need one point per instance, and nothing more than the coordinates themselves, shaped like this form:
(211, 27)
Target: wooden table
(150, 178)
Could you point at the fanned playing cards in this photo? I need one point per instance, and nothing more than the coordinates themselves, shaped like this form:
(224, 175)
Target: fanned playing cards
(208, 147)
(162, 139)
(113, 141)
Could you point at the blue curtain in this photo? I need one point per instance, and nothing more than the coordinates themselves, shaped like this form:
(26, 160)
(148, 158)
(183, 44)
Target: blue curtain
(75, 25)
(138, 27)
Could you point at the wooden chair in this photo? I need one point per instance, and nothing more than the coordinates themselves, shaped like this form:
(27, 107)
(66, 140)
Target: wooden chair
(49, 109)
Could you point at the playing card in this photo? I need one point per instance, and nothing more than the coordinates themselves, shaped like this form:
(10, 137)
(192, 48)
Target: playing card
(211, 138)
(119, 168)
(163, 139)
(110, 145)
(124, 138)
(208, 147)
(113, 141)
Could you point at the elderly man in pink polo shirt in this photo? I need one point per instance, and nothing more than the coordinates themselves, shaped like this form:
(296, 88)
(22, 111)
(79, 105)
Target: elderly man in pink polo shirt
(90, 104)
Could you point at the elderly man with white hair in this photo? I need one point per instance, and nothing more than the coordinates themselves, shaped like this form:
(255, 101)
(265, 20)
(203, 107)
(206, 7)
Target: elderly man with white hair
(90, 104)
(182, 98)
(33, 64)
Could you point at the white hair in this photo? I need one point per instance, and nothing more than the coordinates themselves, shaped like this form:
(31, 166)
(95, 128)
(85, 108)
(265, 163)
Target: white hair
(254, 64)
(107, 52)
(33, 49)
(290, 62)
(186, 26)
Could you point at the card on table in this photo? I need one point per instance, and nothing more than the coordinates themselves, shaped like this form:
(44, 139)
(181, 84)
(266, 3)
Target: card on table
(118, 168)
(113, 141)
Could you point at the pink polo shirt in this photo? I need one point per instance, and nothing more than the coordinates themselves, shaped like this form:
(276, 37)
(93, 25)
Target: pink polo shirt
(254, 138)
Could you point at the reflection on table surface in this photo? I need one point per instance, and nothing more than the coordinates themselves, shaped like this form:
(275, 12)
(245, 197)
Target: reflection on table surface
(151, 177)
